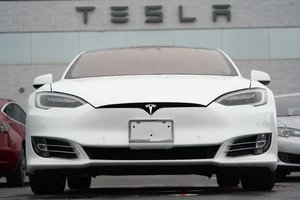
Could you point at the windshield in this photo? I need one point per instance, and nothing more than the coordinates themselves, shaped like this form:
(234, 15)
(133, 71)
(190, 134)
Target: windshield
(151, 61)
(288, 106)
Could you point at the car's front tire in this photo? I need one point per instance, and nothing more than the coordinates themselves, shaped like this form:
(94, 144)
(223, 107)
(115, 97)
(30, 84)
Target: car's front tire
(79, 182)
(41, 184)
(228, 180)
(17, 177)
(262, 180)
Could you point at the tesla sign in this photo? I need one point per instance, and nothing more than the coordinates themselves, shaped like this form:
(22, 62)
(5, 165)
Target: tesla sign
(154, 13)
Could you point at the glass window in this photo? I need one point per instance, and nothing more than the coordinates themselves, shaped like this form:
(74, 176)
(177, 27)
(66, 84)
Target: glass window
(288, 106)
(9, 111)
(198, 38)
(20, 114)
(151, 61)
(150, 38)
(15, 112)
(15, 48)
(54, 47)
(285, 43)
(246, 43)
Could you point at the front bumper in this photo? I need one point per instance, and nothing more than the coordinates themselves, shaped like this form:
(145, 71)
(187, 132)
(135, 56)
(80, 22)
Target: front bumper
(289, 153)
(87, 127)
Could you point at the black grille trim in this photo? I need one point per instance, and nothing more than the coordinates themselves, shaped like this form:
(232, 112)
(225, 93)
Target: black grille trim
(158, 105)
(60, 149)
(289, 158)
(176, 153)
(241, 147)
(56, 148)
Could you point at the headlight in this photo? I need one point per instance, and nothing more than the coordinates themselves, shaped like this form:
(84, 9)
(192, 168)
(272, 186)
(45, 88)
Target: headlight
(288, 132)
(254, 97)
(46, 100)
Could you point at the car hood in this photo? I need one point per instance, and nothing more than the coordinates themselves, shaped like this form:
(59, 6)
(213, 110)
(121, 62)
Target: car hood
(154, 88)
(290, 121)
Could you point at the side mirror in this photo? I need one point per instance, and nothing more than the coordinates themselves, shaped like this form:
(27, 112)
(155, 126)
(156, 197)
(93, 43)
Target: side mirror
(261, 77)
(42, 80)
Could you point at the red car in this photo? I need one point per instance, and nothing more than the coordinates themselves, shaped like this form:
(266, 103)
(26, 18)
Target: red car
(12, 143)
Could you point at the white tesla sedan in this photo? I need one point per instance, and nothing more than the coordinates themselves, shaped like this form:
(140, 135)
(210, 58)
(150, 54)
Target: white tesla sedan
(288, 115)
(151, 110)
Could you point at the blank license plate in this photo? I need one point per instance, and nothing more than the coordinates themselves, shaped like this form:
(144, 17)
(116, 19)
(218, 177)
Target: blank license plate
(150, 131)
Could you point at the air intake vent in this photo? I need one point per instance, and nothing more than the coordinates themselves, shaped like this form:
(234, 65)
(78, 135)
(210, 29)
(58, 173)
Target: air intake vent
(60, 149)
(176, 153)
(251, 145)
(54, 148)
(244, 146)
(289, 158)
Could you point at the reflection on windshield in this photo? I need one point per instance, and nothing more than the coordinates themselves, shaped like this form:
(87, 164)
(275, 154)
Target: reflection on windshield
(288, 106)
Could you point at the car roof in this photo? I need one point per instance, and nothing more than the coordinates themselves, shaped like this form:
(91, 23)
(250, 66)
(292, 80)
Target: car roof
(151, 47)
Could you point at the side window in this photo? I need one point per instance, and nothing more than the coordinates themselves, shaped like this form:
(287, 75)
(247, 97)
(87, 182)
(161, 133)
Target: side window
(9, 111)
(15, 112)
(20, 114)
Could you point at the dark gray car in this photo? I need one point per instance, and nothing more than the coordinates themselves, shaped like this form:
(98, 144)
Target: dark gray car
(288, 116)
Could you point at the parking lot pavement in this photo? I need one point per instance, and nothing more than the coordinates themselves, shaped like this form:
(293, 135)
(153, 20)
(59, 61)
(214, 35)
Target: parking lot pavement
(159, 187)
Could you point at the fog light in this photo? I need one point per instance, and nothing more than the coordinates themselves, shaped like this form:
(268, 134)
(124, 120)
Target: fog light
(42, 147)
(263, 142)
(39, 145)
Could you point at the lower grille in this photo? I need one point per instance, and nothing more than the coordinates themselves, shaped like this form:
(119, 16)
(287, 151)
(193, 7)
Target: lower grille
(289, 158)
(243, 146)
(176, 153)
(250, 145)
(50, 147)
(60, 149)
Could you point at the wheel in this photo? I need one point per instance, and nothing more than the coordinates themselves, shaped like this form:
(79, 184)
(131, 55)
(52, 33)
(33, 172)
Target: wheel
(41, 184)
(228, 180)
(79, 182)
(17, 177)
(264, 180)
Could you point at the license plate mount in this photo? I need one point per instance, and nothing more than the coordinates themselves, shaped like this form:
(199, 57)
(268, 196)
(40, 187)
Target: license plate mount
(151, 131)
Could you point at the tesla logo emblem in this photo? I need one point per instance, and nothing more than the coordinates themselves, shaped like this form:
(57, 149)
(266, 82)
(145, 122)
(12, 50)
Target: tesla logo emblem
(150, 107)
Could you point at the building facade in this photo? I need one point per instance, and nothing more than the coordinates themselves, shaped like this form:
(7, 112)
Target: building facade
(39, 37)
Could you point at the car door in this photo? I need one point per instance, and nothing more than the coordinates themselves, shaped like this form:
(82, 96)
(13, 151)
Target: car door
(15, 118)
